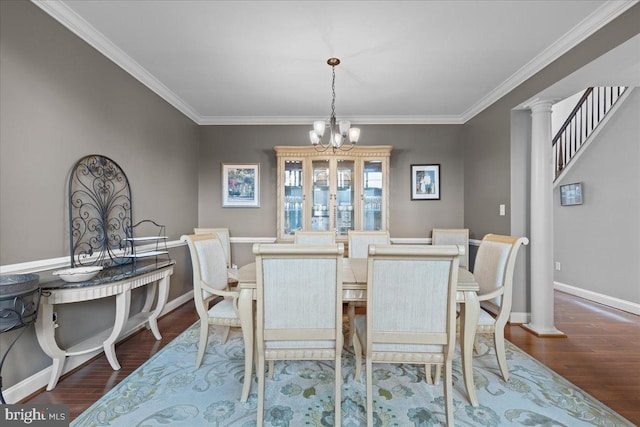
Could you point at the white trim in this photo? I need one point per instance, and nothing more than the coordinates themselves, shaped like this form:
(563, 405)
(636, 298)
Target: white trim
(40, 379)
(593, 134)
(519, 317)
(620, 304)
(410, 240)
(598, 19)
(63, 262)
(79, 26)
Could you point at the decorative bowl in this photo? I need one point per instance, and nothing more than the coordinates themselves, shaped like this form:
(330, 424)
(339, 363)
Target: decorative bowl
(78, 274)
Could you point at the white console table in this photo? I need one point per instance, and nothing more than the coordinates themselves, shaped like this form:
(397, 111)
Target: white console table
(118, 281)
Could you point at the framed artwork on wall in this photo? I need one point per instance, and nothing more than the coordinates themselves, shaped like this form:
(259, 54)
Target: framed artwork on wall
(571, 194)
(240, 185)
(425, 182)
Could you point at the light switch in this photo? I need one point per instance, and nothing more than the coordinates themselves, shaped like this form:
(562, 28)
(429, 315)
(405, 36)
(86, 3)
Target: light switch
(558, 266)
(502, 210)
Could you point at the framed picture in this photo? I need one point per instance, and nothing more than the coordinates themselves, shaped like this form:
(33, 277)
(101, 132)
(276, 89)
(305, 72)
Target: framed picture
(240, 185)
(425, 182)
(571, 194)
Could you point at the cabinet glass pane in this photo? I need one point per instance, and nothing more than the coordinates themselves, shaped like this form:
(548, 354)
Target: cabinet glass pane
(292, 196)
(372, 195)
(344, 197)
(320, 195)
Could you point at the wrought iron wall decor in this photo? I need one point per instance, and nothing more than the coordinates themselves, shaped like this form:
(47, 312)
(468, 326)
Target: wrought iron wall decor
(100, 217)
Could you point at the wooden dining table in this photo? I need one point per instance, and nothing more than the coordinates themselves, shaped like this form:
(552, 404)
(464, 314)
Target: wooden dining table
(354, 288)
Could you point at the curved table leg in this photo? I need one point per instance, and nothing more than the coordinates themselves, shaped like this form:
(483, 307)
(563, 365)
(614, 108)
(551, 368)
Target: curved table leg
(123, 304)
(245, 309)
(45, 332)
(469, 312)
(163, 295)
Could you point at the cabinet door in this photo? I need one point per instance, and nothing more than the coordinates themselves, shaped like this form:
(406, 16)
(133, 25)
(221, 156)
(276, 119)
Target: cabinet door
(293, 203)
(373, 197)
(320, 205)
(344, 196)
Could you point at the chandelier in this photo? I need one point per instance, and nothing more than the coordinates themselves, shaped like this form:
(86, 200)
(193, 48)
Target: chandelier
(339, 131)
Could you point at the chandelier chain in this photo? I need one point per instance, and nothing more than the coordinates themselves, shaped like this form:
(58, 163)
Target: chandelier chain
(333, 89)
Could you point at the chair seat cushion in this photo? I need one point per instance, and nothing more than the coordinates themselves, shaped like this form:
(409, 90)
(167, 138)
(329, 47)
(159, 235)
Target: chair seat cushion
(300, 344)
(360, 323)
(223, 309)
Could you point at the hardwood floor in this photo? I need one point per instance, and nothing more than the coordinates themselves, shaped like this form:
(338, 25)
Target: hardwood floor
(601, 355)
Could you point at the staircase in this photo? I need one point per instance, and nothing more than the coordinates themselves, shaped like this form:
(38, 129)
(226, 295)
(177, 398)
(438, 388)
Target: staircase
(584, 119)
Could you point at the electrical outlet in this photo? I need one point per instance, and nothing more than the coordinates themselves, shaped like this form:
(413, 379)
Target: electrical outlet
(558, 266)
(502, 210)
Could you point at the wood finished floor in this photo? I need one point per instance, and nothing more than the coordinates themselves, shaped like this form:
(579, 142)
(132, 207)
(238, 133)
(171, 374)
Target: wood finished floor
(601, 355)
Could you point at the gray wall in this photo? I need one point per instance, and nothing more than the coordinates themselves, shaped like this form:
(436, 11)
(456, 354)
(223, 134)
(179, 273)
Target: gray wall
(598, 242)
(62, 100)
(413, 144)
(487, 158)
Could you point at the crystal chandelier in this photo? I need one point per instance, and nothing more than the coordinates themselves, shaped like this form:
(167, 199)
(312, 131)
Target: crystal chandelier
(339, 131)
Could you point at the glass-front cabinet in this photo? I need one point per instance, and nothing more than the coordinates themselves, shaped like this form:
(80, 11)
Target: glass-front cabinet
(332, 192)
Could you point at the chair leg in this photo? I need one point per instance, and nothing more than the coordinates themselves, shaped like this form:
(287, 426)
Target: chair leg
(272, 368)
(225, 334)
(202, 343)
(437, 375)
(369, 374)
(261, 380)
(500, 353)
(448, 392)
(351, 315)
(427, 373)
(476, 344)
(357, 350)
(338, 387)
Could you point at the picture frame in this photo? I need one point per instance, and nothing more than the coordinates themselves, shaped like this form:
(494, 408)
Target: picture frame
(571, 194)
(425, 182)
(241, 185)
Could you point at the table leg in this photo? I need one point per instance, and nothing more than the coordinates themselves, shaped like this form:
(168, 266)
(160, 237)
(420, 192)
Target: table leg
(163, 295)
(245, 309)
(469, 312)
(123, 304)
(45, 332)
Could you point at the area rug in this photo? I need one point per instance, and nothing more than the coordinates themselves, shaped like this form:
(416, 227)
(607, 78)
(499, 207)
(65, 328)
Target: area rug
(168, 390)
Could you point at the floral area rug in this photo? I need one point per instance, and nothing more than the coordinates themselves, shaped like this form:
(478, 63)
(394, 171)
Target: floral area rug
(168, 390)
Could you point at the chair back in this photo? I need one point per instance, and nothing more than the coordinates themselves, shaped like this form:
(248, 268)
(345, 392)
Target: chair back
(421, 281)
(359, 242)
(315, 237)
(493, 270)
(299, 297)
(209, 267)
(223, 235)
(453, 236)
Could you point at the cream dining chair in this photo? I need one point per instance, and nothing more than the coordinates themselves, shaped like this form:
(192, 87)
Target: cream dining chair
(225, 240)
(421, 281)
(299, 308)
(359, 242)
(453, 236)
(209, 283)
(493, 270)
(314, 237)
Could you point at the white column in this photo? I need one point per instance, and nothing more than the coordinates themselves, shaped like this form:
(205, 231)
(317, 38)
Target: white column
(541, 247)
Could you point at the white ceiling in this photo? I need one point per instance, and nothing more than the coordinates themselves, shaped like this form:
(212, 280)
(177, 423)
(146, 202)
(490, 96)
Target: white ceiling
(255, 62)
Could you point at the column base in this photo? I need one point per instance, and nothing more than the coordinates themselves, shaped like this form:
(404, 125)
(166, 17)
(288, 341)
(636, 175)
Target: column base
(543, 332)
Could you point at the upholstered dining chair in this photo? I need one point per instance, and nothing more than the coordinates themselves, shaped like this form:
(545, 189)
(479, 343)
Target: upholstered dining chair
(421, 280)
(493, 270)
(299, 308)
(314, 237)
(453, 236)
(210, 282)
(225, 240)
(359, 242)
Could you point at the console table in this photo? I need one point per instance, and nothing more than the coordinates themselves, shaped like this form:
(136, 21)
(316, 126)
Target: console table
(118, 281)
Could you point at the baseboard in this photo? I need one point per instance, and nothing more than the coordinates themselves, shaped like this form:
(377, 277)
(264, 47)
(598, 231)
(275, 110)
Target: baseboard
(40, 379)
(618, 303)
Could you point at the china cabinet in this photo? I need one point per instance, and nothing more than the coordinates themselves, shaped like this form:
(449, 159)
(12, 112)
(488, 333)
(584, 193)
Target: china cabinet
(332, 192)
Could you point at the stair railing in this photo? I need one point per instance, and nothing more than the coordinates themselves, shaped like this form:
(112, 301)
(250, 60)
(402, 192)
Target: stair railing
(592, 107)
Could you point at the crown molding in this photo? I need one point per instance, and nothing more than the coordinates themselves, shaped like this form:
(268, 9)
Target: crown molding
(79, 26)
(598, 19)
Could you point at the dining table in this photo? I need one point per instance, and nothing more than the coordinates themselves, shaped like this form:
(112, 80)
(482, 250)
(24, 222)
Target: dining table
(354, 289)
